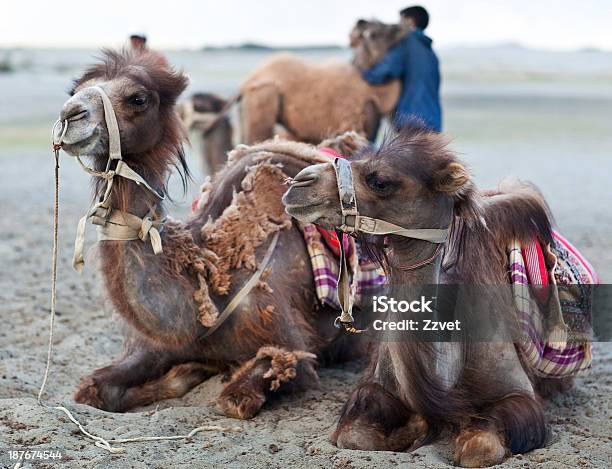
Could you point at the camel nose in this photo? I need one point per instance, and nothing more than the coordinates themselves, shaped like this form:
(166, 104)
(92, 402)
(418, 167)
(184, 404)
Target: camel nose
(306, 177)
(73, 110)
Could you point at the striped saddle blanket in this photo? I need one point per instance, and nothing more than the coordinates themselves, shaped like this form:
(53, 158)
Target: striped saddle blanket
(368, 277)
(552, 287)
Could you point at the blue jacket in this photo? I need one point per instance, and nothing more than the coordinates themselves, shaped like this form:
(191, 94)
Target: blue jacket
(414, 62)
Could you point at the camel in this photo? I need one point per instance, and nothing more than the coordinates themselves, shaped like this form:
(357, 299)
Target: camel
(412, 390)
(171, 282)
(314, 101)
(199, 113)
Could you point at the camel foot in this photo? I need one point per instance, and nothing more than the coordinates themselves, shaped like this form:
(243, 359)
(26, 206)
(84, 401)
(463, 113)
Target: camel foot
(479, 448)
(88, 393)
(102, 391)
(373, 419)
(267, 372)
(241, 403)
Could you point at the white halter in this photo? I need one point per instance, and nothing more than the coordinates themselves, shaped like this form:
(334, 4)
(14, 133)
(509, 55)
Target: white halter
(113, 225)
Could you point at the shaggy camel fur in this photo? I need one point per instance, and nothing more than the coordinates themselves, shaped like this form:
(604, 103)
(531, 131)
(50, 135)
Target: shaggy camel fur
(480, 390)
(169, 301)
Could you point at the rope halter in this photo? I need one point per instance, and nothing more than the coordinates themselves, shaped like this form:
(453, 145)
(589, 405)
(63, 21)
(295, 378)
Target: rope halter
(352, 223)
(112, 224)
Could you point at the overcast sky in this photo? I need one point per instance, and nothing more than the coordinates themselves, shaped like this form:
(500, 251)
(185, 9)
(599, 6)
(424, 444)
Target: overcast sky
(550, 24)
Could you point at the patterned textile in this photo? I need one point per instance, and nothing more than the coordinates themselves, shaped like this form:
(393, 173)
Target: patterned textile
(369, 277)
(552, 290)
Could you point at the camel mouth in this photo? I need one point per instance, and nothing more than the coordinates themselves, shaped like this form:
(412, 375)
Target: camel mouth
(80, 144)
(294, 198)
(300, 208)
(305, 213)
(314, 212)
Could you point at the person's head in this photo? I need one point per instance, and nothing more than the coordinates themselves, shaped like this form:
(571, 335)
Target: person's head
(414, 17)
(138, 42)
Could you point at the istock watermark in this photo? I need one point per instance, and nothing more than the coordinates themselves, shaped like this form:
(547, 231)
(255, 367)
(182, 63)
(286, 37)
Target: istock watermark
(487, 313)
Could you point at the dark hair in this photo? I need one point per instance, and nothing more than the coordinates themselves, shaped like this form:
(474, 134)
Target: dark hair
(418, 14)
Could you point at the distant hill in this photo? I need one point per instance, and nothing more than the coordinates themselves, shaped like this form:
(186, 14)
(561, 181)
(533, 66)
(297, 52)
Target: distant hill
(258, 47)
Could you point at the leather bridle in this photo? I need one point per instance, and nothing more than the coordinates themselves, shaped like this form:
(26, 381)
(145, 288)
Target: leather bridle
(353, 222)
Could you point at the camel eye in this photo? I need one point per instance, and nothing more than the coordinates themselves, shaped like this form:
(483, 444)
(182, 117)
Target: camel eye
(379, 185)
(138, 100)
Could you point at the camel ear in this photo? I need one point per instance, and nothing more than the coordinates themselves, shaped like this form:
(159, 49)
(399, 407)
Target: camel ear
(171, 85)
(452, 179)
(455, 181)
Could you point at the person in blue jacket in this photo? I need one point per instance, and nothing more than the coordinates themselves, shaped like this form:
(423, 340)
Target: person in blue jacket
(414, 62)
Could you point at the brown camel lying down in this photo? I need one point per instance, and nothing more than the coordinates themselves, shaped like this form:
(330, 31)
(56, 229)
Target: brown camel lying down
(482, 391)
(170, 301)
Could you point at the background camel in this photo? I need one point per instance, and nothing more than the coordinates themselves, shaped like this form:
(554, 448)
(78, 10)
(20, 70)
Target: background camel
(313, 101)
(483, 391)
(170, 301)
(199, 113)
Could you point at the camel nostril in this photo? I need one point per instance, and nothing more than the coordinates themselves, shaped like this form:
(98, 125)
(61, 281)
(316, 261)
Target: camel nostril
(74, 113)
(305, 178)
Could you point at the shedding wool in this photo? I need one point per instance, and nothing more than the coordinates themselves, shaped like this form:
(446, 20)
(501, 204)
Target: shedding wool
(230, 241)
(270, 148)
(200, 262)
(255, 213)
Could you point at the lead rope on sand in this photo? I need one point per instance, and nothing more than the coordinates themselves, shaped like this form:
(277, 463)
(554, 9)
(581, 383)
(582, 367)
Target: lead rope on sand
(98, 440)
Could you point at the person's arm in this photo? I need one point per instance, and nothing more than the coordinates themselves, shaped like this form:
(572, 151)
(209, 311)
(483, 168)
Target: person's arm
(389, 68)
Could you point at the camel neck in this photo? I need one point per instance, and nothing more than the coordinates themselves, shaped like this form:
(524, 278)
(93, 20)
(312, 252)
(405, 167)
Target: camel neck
(387, 95)
(131, 197)
(406, 252)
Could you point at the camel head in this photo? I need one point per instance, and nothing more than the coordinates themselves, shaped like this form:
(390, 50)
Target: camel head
(200, 110)
(370, 41)
(143, 94)
(412, 180)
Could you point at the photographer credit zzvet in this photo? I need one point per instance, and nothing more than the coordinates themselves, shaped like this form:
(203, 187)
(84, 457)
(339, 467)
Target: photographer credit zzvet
(384, 304)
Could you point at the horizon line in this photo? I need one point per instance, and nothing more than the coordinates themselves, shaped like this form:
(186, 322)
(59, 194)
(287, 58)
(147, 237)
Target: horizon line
(262, 46)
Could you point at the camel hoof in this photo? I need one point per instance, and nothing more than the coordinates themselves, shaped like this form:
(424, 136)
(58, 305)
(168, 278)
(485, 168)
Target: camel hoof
(89, 394)
(370, 438)
(240, 404)
(359, 437)
(479, 448)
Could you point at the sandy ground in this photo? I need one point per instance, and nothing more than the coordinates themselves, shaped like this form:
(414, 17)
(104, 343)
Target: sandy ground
(563, 145)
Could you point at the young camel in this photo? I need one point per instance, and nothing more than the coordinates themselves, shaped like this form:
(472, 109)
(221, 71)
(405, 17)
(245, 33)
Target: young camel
(171, 301)
(412, 390)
